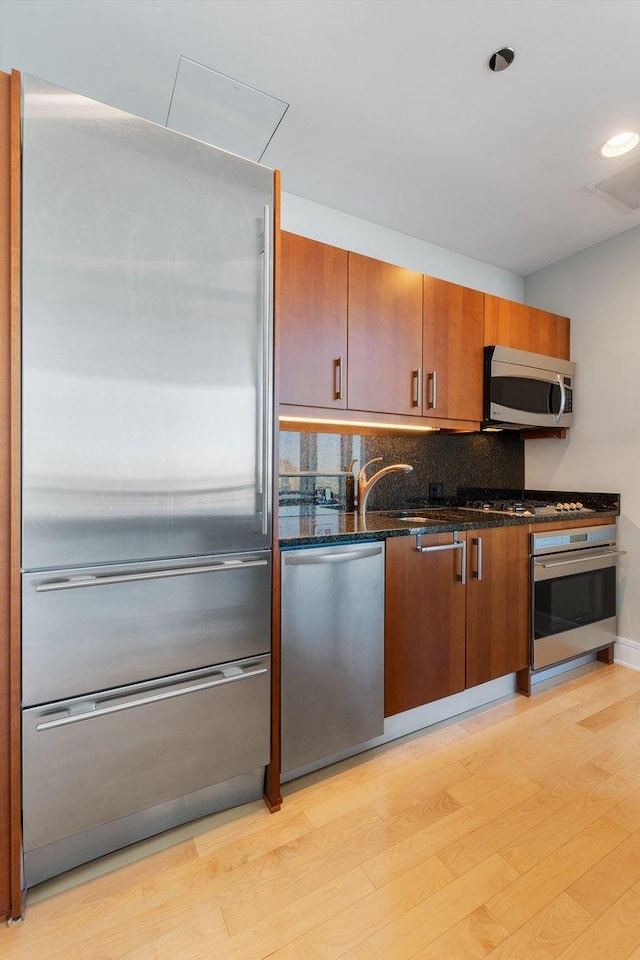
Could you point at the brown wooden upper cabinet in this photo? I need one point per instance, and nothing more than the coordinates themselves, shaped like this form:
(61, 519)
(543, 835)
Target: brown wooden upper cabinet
(313, 323)
(358, 334)
(452, 350)
(385, 337)
(511, 324)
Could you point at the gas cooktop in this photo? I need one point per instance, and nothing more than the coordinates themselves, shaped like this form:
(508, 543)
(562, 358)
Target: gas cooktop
(528, 508)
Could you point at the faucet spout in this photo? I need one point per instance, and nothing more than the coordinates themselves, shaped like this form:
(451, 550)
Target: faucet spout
(366, 486)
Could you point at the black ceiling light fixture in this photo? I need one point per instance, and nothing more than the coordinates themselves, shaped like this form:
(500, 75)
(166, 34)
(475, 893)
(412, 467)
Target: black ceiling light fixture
(501, 59)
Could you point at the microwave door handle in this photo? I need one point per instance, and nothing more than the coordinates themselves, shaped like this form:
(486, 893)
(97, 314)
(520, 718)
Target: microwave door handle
(563, 397)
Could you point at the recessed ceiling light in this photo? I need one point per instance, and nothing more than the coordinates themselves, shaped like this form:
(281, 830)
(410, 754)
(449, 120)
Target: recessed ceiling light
(501, 59)
(621, 143)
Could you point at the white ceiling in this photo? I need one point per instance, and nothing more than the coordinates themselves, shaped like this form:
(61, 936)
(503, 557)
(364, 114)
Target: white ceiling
(394, 115)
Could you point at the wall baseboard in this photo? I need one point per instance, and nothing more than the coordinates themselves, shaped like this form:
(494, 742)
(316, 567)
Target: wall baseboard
(627, 653)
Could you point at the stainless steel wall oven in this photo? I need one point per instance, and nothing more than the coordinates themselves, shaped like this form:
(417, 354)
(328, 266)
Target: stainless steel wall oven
(573, 592)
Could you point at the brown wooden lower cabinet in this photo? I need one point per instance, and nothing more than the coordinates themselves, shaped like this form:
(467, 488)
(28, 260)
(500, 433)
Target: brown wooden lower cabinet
(497, 603)
(424, 622)
(443, 635)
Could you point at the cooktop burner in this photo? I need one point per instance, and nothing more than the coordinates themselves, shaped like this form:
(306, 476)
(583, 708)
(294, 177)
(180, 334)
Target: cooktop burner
(528, 508)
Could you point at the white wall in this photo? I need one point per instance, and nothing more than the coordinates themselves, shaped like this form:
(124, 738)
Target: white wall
(599, 288)
(342, 230)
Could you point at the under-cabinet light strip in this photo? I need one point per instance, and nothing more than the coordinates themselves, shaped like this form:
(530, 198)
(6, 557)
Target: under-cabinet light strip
(360, 423)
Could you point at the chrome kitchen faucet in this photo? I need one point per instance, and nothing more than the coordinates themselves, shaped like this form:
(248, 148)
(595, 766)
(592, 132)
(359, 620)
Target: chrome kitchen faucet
(366, 486)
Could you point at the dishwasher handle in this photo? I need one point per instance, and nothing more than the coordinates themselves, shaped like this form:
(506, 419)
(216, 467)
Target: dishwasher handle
(227, 675)
(304, 558)
(73, 582)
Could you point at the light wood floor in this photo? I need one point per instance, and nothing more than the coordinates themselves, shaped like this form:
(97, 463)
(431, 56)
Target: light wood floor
(511, 834)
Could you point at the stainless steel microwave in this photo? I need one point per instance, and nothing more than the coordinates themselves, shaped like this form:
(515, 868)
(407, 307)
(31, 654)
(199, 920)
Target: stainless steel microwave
(523, 389)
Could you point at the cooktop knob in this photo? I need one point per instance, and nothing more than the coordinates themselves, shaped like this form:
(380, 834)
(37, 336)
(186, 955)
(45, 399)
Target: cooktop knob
(559, 506)
(579, 506)
(573, 506)
(526, 513)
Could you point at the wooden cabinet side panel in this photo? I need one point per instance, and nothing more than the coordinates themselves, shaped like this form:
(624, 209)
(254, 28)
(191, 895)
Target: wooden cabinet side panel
(5, 459)
(11, 893)
(511, 324)
(424, 624)
(384, 335)
(312, 322)
(272, 791)
(498, 604)
(453, 349)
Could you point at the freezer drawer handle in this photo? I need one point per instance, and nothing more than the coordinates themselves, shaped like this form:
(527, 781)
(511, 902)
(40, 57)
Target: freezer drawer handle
(592, 556)
(229, 675)
(72, 583)
(303, 559)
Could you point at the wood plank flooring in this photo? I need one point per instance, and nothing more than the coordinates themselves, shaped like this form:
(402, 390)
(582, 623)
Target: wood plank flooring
(512, 833)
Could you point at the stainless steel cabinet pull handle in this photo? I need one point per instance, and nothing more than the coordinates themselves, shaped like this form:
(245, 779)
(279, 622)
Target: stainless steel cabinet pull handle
(440, 547)
(463, 561)
(592, 556)
(338, 378)
(303, 559)
(98, 581)
(432, 402)
(477, 573)
(417, 387)
(229, 676)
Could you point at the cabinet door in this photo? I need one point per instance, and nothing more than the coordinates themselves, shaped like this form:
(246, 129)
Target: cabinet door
(452, 350)
(497, 603)
(516, 325)
(385, 337)
(424, 622)
(313, 323)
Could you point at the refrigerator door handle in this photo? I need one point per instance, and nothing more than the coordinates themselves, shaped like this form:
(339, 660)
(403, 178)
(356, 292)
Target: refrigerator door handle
(265, 397)
(228, 675)
(96, 581)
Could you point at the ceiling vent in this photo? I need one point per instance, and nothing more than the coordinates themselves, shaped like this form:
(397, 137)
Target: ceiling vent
(623, 188)
(215, 108)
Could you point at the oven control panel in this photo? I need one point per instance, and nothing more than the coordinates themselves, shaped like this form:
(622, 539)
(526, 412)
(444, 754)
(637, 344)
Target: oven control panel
(575, 539)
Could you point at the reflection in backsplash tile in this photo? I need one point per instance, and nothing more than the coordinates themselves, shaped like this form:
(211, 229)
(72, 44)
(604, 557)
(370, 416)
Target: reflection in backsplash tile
(456, 460)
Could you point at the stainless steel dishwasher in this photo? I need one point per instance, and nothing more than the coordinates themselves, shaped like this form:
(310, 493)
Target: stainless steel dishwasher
(332, 651)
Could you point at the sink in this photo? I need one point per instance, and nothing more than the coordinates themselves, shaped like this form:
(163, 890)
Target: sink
(430, 514)
(417, 512)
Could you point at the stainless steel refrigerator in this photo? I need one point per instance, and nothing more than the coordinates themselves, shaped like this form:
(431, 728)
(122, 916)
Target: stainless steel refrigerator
(146, 526)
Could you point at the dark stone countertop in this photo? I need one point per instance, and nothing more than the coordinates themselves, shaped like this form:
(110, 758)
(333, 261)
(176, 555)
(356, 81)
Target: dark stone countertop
(324, 526)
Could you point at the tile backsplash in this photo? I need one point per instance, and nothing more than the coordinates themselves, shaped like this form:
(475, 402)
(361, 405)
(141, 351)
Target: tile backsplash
(453, 460)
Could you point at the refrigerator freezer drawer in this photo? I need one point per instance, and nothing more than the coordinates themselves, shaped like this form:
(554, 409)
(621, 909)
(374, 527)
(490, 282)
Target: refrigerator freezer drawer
(88, 763)
(103, 627)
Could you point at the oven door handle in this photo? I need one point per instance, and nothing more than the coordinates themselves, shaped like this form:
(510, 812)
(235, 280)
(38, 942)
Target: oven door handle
(609, 554)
